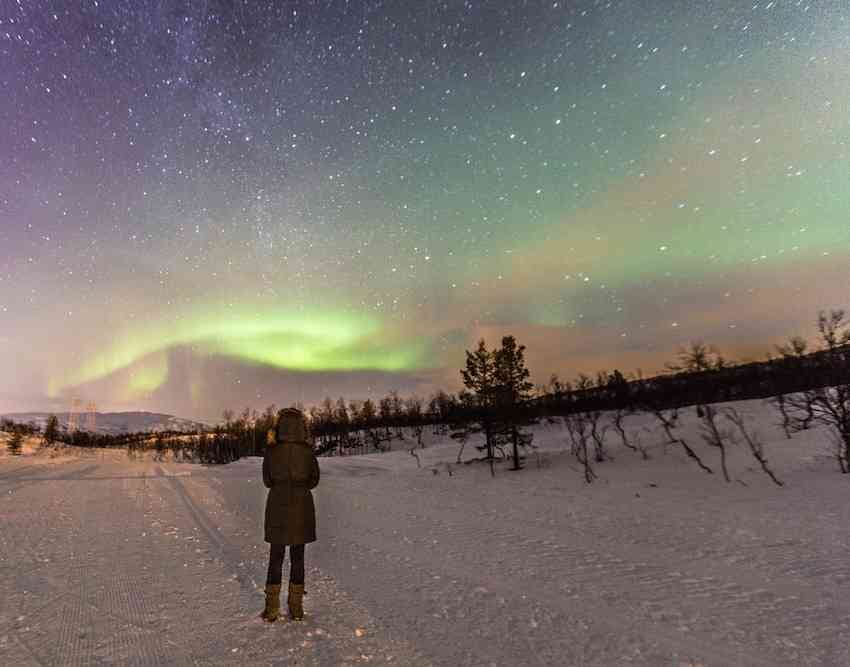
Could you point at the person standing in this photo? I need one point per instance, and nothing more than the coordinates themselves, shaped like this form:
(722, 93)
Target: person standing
(290, 470)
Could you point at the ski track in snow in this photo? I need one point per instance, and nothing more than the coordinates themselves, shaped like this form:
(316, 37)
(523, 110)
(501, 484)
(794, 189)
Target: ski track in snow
(656, 563)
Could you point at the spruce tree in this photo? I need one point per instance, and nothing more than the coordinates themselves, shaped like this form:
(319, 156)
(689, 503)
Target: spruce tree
(413, 417)
(385, 414)
(343, 421)
(479, 377)
(513, 390)
(51, 430)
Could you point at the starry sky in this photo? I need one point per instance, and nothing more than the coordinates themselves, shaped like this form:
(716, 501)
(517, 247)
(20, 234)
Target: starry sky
(215, 204)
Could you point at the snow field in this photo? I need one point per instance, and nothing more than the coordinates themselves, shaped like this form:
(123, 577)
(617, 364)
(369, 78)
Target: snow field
(657, 562)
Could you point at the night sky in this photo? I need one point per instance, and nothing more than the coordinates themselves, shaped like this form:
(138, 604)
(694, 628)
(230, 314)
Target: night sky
(219, 204)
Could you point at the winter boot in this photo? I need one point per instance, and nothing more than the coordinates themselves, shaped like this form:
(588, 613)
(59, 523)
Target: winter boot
(272, 611)
(296, 595)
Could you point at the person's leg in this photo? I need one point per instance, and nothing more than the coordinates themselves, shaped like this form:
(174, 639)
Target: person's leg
(296, 581)
(296, 563)
(273, 580)
(275, 573)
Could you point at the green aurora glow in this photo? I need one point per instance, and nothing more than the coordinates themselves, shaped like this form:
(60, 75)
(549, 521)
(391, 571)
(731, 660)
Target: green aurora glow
(605, 181)
(307, 340)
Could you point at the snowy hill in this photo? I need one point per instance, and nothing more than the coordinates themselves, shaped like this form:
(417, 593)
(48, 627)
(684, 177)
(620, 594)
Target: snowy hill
(113, 423)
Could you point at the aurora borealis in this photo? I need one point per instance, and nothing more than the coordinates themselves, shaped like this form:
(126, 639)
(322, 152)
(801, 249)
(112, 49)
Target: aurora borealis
(218, 204)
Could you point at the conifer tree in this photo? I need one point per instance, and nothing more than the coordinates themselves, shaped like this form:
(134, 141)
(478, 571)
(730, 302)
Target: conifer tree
(371, 430)
(340, 415)
(479, 377)
(397, 413)
(51, 430)
(385, 412)
(513, 390)
(413, 416)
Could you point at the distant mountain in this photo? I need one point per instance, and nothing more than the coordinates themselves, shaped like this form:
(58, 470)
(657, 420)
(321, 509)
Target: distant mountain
(114, 423)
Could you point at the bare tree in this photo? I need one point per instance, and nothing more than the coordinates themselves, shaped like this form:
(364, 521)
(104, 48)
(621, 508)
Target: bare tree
(556, 390)
(753, 442)
(591, 418)
(597, 435)
(619, 415)
(803, 405)
(838, 451)
(833, 331)
(715, 436)
(636, 439)
(795, 347)
(439, 407)
(793, 352)
(830, 406)
(670, 422)
(780, 402)
(578, 428)
(699, 357)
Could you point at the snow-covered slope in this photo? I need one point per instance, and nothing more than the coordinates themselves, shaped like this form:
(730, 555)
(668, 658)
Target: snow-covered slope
(115, 422)
(655, 563)
(551, 440)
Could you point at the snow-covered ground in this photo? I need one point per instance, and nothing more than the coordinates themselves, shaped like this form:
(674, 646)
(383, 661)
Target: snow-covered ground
(104, 560)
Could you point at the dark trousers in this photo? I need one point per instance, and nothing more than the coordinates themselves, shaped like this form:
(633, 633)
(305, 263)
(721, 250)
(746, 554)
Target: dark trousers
(296, 564)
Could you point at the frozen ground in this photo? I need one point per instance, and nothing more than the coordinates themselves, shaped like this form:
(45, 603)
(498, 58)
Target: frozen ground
(657, 563)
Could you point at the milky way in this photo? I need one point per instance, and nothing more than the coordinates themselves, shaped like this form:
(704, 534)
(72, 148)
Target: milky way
(213, 204)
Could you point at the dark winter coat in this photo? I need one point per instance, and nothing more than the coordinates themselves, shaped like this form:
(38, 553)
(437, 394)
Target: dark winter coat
(290, 470)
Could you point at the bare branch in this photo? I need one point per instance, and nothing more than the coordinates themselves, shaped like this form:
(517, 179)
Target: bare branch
(714, 436)
(668, 423)
(577, 427)
(753, 442)
(635, 446)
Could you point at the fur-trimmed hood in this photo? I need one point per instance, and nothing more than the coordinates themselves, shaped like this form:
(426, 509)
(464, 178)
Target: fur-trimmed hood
(291, 427)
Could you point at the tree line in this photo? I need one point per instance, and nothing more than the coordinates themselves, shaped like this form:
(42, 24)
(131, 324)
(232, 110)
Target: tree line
(499, 402)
